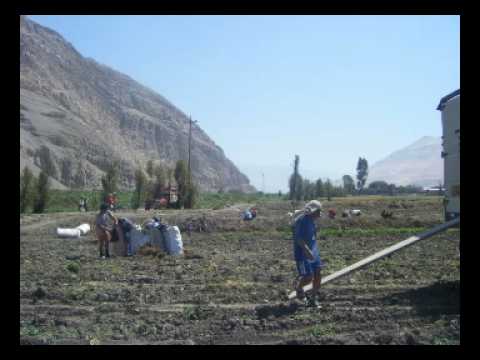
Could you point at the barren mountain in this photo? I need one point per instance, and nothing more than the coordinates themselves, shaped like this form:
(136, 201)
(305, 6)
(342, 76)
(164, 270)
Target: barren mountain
(83, 115)
(417, 164)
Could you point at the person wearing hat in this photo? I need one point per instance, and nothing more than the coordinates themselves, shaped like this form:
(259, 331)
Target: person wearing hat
(103, 230)
(306, 254)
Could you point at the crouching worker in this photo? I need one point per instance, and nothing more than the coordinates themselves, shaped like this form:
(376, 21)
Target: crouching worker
(250, 214)
(127, 226)
(103, 230)
(306, 252)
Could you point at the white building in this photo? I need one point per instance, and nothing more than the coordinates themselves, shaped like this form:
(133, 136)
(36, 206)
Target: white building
(450, 108)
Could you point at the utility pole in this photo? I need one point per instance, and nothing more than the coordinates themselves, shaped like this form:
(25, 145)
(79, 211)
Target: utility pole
(189, 144)
(189, 148)
(295, 175)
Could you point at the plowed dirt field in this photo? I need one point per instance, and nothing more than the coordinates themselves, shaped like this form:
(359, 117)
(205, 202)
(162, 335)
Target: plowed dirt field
(230, 287)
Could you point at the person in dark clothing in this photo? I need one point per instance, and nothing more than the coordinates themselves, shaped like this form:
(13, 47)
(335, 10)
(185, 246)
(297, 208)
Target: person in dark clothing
(127, 226)
(306, 254)
(82, 204)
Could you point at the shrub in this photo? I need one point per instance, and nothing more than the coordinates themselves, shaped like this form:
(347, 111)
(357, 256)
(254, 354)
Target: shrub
(110, 180)
(140, 189)
(42, 193)
(27, 181)
(73, 267)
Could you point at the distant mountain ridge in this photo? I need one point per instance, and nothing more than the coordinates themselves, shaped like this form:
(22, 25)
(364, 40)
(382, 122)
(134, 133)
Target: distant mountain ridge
(88, 115)
(419, 163)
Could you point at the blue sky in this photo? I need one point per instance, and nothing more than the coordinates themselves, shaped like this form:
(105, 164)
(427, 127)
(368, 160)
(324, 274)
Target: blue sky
(264, 88)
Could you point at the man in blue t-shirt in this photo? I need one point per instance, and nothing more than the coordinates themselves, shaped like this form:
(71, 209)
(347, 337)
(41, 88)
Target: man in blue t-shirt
(306, 252)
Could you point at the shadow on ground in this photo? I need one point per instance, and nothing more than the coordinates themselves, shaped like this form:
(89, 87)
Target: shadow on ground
(436, 299)
(276, 310)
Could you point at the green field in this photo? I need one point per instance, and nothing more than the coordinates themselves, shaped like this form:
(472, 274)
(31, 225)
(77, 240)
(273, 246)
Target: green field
(67, 200)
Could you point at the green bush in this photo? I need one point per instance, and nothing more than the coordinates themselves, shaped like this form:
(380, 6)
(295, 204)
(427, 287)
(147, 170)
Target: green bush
(27, 185)
(42, 193)
(73, 267)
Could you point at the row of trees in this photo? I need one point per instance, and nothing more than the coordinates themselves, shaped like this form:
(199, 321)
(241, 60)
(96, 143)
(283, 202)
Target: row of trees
(383, 188)
(34, 192)
(304, 189)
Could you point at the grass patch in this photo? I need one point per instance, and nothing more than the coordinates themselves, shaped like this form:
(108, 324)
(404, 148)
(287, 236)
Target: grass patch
(335, 263)
(112, 267)
(75, 294)
(322, 330)
(73, 267)
(357, 232)
(29, 330)
(442, 340)
(45, 334)
(67, 200)
(195, 313)
(220, 200)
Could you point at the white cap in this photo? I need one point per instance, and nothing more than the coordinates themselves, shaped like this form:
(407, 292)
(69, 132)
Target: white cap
(312, 206)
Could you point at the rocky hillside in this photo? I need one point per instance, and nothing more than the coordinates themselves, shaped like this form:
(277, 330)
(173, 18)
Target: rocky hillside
(417, 164)
(77, 116)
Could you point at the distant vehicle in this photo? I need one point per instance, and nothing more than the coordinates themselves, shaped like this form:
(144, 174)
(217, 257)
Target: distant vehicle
(450, 108)
(166, 199)
(434, 190)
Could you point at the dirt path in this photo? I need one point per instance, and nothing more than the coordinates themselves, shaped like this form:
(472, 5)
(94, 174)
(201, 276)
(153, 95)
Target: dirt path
(43, 223)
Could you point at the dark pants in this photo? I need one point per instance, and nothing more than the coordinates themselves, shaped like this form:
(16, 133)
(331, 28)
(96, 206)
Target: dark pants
(104, 238)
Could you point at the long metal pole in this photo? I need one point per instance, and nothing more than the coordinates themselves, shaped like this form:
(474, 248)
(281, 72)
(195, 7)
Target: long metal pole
(381, 254)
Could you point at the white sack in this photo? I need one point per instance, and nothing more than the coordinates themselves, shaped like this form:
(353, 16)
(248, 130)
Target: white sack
(84, 228)
(68, 233)
(173, 240)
